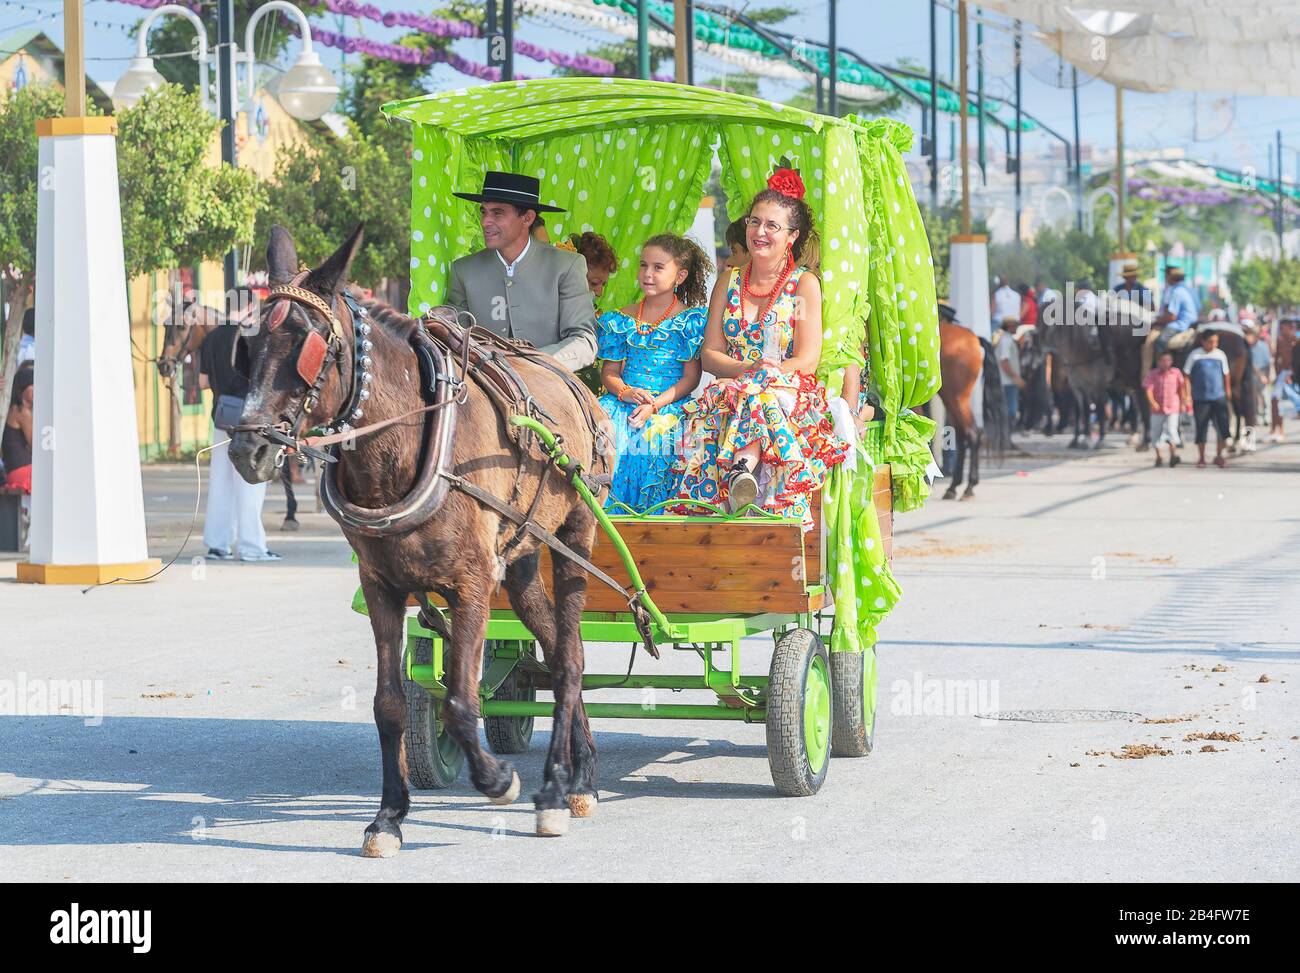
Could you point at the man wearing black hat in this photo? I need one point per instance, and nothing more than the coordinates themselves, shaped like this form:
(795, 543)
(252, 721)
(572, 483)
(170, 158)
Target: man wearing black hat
(522, 288)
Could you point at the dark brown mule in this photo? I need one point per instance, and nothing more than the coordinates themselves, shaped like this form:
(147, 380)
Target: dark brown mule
(963, 357)
(454, 553)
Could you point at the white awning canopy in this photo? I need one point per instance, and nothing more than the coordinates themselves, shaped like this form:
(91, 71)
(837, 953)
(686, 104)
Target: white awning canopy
(1165, 45)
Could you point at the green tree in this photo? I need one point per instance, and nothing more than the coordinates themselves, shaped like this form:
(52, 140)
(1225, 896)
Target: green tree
(178, 207)
(1251, 281)
(323, 187)
(19, 113)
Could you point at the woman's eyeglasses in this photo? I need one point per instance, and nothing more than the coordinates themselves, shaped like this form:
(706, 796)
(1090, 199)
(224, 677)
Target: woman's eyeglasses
(769, 226)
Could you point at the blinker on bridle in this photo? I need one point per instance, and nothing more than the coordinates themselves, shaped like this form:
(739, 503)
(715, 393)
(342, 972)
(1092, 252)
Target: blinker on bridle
(314, 357)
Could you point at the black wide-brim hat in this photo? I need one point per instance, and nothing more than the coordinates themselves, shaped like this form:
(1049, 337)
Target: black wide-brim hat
(510, 187)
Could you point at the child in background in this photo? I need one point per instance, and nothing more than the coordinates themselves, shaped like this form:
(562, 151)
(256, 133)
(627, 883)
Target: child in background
(1167, 394)
(1211, 380)
(651, 365)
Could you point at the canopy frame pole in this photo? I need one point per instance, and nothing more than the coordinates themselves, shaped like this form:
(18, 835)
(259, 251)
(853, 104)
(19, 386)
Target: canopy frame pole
(934, 111)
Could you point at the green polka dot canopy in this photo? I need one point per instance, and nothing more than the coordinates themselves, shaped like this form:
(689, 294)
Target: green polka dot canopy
(629, 159)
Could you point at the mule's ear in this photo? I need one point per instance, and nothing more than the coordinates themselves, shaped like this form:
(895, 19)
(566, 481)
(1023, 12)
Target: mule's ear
(281, 256)
(330, 276)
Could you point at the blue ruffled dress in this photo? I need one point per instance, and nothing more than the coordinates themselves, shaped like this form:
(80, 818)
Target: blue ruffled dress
(643, 476)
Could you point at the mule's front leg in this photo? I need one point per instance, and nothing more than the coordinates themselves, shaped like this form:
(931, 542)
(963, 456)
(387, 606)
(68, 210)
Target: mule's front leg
(387, 609)
(571, 759)
(469, 614)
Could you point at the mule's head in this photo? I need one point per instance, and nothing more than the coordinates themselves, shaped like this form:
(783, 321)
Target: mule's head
(289, 347)
(179, 334)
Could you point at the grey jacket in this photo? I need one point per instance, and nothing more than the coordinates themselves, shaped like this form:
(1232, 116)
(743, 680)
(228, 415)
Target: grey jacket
(547, 302)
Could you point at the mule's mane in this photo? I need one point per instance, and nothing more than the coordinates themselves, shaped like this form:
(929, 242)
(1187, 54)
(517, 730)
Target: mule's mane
(384, 314)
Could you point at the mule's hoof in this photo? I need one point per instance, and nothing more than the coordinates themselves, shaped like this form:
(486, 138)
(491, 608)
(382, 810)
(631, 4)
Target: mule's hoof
(290, 525)
(380, 844)
(511, 792)
(968, 495)
(583, 805)
(552, 822)
(950, 495)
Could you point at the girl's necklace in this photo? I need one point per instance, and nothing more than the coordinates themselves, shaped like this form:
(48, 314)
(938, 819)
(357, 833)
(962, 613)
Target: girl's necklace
(645, 327)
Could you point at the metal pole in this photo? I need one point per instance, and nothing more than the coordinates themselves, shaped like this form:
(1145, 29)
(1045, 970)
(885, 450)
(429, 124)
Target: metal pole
(979, 84)
(643, 39)
(508, 39)
(74, 60)
(683, 37)
(1018, 157)
(1280, 226)
(1078, 153)
(1121, 186)
(821, 95)
(934, 113)
(493, 45)
(834, 53)
(952, 70)
(226, 88)
(965, 136)
(690, 47)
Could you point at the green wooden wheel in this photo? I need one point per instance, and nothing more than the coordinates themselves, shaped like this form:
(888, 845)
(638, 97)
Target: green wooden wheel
(853, 683)
(433, 758)
(800, 712)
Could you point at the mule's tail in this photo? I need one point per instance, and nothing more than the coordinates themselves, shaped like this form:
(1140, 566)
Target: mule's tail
(997, 427)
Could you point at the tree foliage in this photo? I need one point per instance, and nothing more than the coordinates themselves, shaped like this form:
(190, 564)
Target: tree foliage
(179, 207)
(19, 113)
(324, 187)
(1266, 283)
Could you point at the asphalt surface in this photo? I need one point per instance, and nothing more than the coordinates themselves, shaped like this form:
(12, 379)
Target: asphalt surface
(1084, 588)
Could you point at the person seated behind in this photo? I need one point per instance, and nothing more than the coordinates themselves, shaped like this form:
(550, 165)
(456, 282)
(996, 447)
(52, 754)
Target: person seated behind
(1175, 325)
(538, 231)
(651, 365)
(602, 262)
(735, 239)
(16, 443)
(762, 432)
(859, 394)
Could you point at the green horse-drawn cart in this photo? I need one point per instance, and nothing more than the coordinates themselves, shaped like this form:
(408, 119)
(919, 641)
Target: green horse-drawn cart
(628, 159)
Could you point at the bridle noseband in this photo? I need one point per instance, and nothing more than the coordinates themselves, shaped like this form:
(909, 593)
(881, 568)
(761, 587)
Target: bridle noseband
(315, 356)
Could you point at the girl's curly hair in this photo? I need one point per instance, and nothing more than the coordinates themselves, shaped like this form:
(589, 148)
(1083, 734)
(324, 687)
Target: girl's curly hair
(693, 291)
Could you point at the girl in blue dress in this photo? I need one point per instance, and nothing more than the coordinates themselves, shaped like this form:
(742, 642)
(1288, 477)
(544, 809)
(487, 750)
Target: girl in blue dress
(651, 365)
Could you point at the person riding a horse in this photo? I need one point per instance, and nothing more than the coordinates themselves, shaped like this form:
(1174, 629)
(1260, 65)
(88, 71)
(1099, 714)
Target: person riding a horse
(1175, 326)
(518, 287)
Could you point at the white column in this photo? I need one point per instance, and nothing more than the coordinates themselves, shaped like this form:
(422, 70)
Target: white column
(87, 505)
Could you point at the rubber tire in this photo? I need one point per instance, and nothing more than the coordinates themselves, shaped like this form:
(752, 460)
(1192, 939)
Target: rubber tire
(432, 763)
(787, 752)
(511, 734)
(850, 736)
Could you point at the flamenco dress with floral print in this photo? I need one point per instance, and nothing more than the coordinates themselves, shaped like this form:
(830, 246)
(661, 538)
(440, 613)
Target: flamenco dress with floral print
(785, 412)
(653, 359)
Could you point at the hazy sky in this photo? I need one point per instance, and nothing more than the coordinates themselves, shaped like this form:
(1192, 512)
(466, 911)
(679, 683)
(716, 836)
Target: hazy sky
(1233, 131)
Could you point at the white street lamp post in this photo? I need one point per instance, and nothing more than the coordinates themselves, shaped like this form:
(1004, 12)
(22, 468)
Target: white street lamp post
(308, 89)
(142, 76)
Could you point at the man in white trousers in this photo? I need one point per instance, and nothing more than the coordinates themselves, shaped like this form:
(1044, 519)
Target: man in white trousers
(232, 524)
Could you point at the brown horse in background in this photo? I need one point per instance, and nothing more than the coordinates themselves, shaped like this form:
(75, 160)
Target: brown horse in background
(458, 546)
(963, 358)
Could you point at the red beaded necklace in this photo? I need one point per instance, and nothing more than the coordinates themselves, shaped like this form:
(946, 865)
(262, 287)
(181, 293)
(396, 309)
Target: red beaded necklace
(645, 327)
(771, 295)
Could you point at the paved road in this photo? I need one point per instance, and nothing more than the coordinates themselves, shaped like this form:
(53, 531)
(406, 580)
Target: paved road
(238, 742)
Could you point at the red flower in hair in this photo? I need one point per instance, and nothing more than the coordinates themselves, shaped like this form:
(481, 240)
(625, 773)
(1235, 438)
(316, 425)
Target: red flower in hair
(787, 183)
